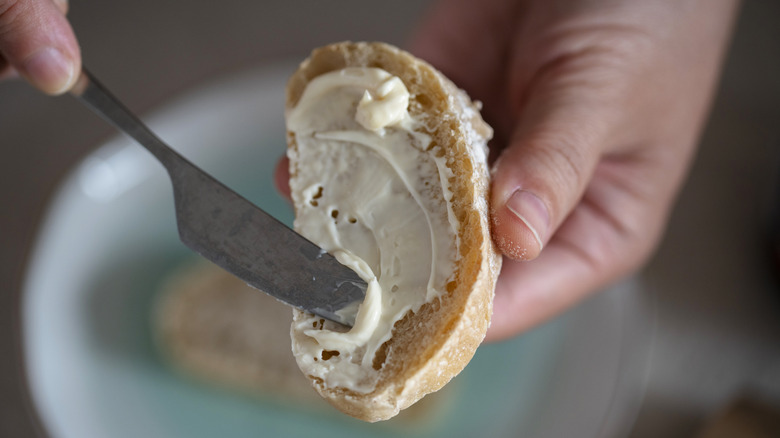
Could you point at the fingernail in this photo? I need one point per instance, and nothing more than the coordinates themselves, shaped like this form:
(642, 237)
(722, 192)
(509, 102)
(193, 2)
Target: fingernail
(532, 211)
(49, 70)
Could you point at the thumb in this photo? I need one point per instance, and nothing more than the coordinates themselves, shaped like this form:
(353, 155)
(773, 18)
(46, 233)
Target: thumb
(37, 41)
(542, 174)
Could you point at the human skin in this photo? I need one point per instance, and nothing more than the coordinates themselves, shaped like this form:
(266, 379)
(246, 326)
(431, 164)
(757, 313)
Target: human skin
(597, 107)
(37, 43)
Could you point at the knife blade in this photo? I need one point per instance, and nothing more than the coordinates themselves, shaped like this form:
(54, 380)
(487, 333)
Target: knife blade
(230, 231)
(235, 234)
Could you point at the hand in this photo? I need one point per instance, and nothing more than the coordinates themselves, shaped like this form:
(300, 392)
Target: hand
(37, 42)
(597, 106)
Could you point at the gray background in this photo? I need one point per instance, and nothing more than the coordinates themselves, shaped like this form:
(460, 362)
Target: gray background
(717, 305)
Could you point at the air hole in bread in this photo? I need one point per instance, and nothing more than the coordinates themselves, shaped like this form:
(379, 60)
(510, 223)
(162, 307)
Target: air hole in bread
(424, 101)
(352, 220)
(334, 214)
(380, 357)
(327, 354)
(316, 196)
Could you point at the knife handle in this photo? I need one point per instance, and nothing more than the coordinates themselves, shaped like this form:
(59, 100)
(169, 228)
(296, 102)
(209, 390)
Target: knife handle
(97, 97)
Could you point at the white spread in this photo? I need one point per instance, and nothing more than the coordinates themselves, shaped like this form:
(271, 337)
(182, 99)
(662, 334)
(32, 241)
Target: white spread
(370, 190)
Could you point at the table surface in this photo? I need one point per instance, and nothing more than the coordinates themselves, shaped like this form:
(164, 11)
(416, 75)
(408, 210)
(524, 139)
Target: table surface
(714, 299)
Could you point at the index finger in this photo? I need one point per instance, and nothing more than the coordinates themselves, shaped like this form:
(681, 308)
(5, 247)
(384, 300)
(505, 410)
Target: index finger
(38, 42)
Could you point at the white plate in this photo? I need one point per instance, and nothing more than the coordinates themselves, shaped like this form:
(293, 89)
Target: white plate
(110, 237)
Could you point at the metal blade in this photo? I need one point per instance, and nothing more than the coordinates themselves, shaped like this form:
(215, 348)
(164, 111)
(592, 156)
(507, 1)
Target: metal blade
(246, 241)
(235, 234)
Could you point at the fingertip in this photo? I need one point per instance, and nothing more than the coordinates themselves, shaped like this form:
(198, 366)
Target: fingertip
(50, 70)
(38, 43)
(514, 309)
(500, 329)
(521, 225)
(62, 5)
(282, 177)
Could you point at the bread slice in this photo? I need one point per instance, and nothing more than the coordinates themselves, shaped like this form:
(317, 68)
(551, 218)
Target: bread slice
(214, 328)
(433, 342)
(210, 325)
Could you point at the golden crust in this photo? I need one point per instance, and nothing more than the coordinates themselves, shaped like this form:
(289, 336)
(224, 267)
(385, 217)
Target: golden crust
(430, 347)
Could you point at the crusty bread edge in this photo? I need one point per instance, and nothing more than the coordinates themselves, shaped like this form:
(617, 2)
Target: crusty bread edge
(458, 333)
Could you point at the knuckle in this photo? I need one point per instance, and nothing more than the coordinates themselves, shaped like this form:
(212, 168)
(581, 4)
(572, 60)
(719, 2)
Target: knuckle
(10, 13)
(603, 59)
(563, 156)
(9, 10)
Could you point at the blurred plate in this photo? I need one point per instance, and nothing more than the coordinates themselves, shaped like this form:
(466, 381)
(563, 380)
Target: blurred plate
(109, 238)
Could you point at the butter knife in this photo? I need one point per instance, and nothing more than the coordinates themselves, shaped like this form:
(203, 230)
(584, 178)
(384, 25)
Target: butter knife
(225, 228)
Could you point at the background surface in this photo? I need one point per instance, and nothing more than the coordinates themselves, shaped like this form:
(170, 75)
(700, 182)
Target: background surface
(715, 300)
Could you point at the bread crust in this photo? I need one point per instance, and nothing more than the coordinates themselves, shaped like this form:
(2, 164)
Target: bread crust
(431, 346)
